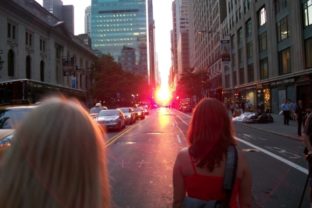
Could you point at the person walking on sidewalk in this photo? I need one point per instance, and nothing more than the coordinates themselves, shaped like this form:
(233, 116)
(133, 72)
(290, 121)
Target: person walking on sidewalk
(300, 114)
(286, 112)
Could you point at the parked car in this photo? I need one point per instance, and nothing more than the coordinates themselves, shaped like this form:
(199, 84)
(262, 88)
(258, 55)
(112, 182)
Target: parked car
(6, 136)
(94, 111)
(260, 118)
(10, 119)
(145, 109)
(243, 117)
(12, 116)
(111, 119)
(129, 114)
(139, 113)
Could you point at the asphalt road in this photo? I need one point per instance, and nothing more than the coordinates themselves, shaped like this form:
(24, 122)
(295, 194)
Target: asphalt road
(141, 158)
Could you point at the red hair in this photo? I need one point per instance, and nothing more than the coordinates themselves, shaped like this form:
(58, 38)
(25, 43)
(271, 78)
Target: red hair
(210, 133)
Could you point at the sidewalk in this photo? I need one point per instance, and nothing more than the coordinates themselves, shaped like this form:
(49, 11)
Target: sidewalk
(278, 127)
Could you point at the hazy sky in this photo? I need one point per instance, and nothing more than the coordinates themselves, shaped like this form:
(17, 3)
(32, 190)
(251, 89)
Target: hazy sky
(163, 25)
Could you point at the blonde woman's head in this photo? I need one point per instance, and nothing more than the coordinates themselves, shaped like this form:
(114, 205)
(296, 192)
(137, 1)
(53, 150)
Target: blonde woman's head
(57, 159)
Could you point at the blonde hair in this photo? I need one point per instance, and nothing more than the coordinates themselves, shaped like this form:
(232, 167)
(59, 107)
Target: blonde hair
(57, 159)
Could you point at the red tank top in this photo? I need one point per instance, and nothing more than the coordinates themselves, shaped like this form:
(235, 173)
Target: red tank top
(209, 187)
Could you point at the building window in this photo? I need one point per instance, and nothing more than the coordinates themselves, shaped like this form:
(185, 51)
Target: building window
(28, 38)
(11, 63)
(42, 45)
(249, 50)
(28, 67)
(263, 42)
(248, 28)
(280, 5)
(307, 11)
(308, 52)
(282, 29)
(241, 76)
(262, 16)
(11, 31)
(250, 73)
(264, 69)
(42, 71)
(284, 61)
(240, 37)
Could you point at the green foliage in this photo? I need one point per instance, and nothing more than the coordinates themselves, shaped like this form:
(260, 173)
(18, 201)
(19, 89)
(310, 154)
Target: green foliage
(189, 84)
(115, 86)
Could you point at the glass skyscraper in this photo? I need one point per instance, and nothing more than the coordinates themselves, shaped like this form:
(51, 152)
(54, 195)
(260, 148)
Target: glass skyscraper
(116, 24)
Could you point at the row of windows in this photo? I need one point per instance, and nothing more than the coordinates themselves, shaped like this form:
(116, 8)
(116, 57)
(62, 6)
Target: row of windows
(28, 65)
(115, 15)
(115, 40)
(115, 25)
(116, 20)
(284, 61)
(12, 34)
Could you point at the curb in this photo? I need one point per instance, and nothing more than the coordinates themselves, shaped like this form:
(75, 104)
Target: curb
(274, 132)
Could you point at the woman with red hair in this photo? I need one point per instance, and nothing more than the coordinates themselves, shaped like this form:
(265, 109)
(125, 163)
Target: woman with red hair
(199, 169)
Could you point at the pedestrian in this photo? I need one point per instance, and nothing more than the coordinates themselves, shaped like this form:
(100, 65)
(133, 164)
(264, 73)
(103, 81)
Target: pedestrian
(292, 109)
(199, 169)
(307, 138)
(300, 114)
(286, 112)
(57, 159)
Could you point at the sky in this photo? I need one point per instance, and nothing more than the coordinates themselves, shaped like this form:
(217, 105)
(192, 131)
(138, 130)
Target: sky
(163, 26)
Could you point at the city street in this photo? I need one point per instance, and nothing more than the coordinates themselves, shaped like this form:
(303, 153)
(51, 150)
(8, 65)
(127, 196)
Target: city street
(141, 159)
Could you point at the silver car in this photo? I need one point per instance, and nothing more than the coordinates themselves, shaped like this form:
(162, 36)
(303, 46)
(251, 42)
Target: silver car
(129, 114)
(111, 119)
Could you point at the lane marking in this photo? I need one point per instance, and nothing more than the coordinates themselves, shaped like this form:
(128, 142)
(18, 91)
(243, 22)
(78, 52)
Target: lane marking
(183, 120)
(279, 158)
(179, 139)
(116, 137)
(247, 135)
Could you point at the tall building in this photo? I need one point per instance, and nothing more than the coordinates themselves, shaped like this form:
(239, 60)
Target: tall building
(174, 45)
(181, 36)
(127, 59)
(54, 7)
(119, 23)
(271, 54)
(62, 12)
(151, 44)
(88, 20)
(208, 51)
(68, 17)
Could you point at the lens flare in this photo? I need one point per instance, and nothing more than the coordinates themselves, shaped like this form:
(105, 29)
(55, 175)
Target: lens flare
(163, 95)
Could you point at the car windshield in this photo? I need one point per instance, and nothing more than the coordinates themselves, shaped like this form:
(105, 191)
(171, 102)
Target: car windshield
(139, 109)
(109, 113)
(125, 110)
(11, 118)
(95, 109)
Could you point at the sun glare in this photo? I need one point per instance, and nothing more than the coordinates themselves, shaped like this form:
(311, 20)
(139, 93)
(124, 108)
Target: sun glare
(163, 95)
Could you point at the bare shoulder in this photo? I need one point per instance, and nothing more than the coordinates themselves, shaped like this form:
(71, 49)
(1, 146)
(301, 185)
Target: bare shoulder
(182, 153)
(182, 156)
